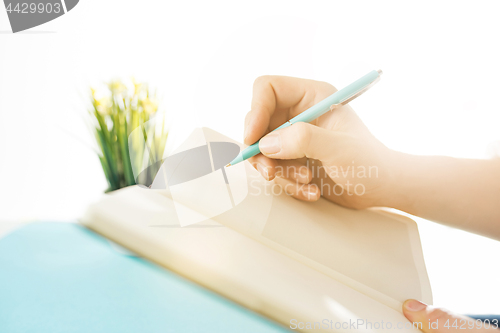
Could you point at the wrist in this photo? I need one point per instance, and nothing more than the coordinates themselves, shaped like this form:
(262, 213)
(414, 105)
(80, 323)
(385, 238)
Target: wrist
(399, 178)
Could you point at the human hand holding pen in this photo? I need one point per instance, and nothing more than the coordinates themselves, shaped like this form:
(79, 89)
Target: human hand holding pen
(354, 170)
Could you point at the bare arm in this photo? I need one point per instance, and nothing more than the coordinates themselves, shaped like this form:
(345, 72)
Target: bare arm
(462, 193)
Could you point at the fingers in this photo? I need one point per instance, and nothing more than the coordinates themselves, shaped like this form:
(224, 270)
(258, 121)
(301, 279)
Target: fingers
(265, 166)
(294, 170)
(292, 176)
(287, 96)
(300, 140)
(256, 125)
(269, 93)
(429, 319)
(306, 192)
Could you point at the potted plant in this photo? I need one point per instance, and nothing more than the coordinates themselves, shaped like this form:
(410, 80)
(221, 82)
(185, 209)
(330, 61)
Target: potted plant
(130, 132)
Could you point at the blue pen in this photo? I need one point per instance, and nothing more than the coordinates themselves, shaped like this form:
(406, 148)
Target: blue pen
(341, 97)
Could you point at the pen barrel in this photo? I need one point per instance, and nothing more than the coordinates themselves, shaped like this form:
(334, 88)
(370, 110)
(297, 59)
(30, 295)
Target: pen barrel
(250, 151)
(324, 106)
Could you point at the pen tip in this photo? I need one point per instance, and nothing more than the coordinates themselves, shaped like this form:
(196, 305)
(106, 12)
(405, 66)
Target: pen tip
(380, 72)
(228, 165)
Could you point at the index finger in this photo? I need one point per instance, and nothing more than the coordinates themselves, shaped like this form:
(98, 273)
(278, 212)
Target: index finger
(272, 94)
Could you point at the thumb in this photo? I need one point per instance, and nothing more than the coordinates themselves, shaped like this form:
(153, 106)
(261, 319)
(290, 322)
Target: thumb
(299, 140)
(430, 319)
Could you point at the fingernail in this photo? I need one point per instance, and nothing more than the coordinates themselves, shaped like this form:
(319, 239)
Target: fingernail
(263, 171)
(413, 305)
(309, 194)
(270, 144)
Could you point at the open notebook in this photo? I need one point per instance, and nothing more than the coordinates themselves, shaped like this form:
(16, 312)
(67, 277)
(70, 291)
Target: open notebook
(295, 262)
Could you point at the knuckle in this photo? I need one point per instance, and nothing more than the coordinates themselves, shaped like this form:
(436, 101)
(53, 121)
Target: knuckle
(262, 80)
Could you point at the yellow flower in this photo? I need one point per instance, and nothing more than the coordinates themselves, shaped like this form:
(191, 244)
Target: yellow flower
(117, 87)
(149, 106)
(103, 106)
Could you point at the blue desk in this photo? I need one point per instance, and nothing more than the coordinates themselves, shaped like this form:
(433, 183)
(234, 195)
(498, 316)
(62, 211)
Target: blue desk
(61, 277)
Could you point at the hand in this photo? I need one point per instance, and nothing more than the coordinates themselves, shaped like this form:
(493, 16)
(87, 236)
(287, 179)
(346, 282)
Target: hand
(334, 156)
(429, 319)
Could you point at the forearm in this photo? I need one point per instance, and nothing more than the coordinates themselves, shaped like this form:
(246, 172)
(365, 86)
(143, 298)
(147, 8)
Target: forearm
(462, 193)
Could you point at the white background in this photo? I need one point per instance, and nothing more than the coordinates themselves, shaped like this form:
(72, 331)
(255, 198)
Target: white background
(438, 95)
